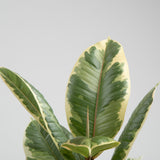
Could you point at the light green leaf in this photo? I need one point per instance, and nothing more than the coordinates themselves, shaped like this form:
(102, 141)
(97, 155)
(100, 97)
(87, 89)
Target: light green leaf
(133, 127)
(90, 147)
(100, 84)
(38, 144)
(35, 103)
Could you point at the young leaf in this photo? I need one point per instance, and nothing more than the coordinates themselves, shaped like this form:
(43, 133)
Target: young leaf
(100, 84)
(35, 103)
(68, 154)
(39, 145)
(133, 127)
(90, 147)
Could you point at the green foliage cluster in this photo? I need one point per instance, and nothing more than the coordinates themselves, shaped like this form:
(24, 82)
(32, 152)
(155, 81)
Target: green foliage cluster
(96, 99)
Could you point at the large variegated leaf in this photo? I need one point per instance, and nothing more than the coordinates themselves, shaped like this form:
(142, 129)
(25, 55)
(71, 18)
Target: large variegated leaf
(133, 127)
(100, 84)
(35, 103)
(90, 147)
(38, 144)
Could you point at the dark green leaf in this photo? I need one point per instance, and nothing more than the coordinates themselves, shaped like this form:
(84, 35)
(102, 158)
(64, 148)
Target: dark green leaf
(99, 82)
(133, 126)
(35, 103)
(38, 144)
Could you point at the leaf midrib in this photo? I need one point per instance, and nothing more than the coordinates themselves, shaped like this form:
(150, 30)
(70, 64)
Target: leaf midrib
(49, 147)
(98, 91)
(23, 95)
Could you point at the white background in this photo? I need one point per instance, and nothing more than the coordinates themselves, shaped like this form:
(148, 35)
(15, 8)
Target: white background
(42, 39)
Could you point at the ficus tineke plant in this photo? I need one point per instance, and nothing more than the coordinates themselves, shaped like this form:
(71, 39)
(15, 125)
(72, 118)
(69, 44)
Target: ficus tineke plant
(96, 99)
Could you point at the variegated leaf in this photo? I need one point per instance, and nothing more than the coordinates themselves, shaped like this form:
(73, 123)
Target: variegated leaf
(133, 127)
(35, 103)
(99, 83)
(38, 144)
(90, 147)
(23, 92)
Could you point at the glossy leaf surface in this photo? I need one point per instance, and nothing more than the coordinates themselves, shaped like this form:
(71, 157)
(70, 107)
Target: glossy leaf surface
(35, 103)
(38, 144)
(133, 127)
(90, 147)
(100, 84)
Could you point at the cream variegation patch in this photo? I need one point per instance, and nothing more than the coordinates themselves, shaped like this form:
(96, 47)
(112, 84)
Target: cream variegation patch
(120, 57)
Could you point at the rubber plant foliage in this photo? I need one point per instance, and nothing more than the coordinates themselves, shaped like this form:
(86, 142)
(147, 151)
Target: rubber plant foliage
(96, 99)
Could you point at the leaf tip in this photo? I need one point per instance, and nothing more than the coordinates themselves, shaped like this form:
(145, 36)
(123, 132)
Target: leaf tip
(109, 38)
(155, 87)
(157, 84)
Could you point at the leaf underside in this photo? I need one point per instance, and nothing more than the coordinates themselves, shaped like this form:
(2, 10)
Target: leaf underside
(100, 82)
(133, 127)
